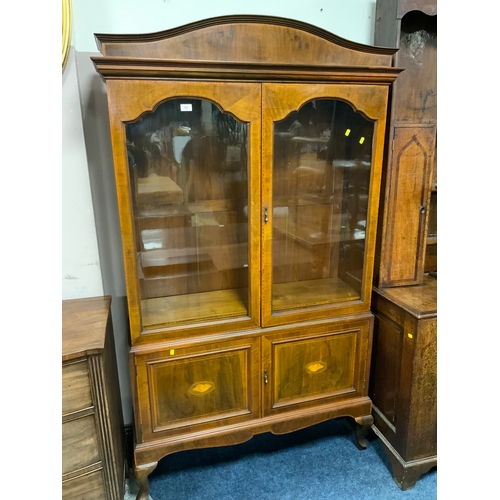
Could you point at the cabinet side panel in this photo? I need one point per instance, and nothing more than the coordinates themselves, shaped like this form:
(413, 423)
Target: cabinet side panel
(386, 367)
(114, 418)
(423, 420)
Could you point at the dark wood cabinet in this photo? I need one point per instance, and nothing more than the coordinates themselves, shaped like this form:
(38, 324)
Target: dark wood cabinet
(403, 379)
(93, 458)
(248, 154)
(407, 242)
(404, 362)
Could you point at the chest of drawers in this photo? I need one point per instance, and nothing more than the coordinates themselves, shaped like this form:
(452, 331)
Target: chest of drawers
(93, 463)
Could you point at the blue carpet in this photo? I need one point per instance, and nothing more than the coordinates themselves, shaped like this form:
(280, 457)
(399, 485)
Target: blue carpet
(320, 462)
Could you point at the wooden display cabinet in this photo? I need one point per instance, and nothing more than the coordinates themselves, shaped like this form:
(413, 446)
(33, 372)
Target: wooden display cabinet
(248, 153)
(407, 243)
(403, 380)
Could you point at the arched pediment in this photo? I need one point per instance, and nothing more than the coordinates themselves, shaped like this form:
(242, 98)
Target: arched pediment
(241, 47)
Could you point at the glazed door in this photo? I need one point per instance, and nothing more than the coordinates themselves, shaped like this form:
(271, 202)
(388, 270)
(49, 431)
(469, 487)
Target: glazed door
(322, 153)
(187, 162)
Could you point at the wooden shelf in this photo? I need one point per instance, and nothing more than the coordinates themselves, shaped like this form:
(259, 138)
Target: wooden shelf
(194, 307)
(311, 293)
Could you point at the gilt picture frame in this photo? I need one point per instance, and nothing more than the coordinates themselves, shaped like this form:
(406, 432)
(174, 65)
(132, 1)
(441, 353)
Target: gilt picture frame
(66, 31)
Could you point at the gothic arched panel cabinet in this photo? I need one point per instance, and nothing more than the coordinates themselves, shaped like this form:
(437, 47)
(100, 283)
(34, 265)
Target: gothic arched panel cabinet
(248, 154)
(403, 385)
(407, 244)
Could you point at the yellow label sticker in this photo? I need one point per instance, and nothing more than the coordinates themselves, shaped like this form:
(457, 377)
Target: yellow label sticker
(172, 352)
(362, 140)
(347, 132)
(410, 336)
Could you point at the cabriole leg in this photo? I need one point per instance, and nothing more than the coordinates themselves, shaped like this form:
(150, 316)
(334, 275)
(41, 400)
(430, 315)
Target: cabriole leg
(363, 426)
(141, 474)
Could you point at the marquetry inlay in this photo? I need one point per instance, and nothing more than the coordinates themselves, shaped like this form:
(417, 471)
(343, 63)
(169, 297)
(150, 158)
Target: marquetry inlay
(316, 367)
(201, 388)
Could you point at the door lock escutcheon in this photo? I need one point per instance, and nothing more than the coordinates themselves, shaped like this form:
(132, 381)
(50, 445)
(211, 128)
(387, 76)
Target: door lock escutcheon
(266, 215)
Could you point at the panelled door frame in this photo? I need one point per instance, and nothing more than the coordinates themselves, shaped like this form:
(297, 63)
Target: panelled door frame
(128, 100)
(406, 219)
(279, 100)
(147, 392)
(359, 330)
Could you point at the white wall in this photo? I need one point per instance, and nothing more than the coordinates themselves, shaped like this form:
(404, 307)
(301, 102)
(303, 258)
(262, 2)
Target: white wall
(92, 259)
(81, 272)
(351, 19)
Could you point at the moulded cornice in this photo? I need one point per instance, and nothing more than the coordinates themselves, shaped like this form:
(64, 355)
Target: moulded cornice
(122, 67)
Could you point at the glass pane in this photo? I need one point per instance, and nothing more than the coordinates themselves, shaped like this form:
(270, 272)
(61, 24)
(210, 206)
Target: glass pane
(321, 175)
(188, 170)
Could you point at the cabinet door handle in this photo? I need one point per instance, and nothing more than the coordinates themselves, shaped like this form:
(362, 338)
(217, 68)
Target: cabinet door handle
(266, 216)
(265, 377)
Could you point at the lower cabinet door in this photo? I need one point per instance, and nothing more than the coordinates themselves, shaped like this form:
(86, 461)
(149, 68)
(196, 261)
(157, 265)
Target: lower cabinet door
(198, 387)
(311, 365)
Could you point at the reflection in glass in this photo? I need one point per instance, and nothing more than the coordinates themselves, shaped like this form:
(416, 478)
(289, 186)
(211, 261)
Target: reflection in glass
(321, 175)
(188, 171)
